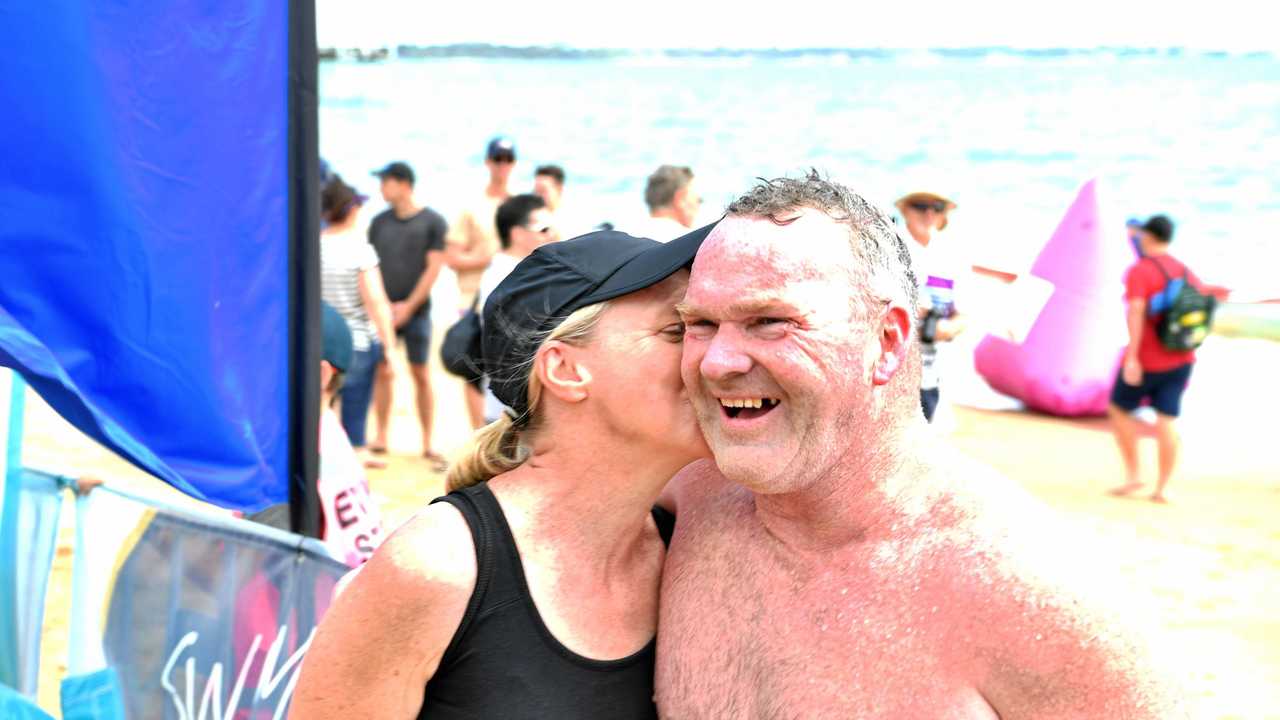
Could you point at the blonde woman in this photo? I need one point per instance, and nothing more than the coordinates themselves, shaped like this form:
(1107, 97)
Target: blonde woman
(531, 590)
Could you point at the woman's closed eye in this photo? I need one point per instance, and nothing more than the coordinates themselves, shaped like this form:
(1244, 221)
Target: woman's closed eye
(673, 332)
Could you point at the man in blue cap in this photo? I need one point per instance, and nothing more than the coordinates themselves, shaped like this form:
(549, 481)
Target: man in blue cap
(473, 241)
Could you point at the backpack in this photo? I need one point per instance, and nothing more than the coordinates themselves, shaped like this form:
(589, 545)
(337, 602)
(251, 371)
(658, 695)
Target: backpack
(1187, 312)
(460, 350)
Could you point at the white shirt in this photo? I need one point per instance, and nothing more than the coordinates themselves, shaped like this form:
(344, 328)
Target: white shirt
(499, 268)
(662, 229)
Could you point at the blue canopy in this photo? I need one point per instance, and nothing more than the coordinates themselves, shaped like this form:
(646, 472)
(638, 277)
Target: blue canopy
(154, 217)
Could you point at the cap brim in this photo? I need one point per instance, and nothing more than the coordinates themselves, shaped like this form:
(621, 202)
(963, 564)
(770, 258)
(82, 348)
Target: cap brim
(650, 267)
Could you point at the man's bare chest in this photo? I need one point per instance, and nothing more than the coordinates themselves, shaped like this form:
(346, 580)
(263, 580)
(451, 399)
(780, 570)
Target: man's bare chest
(742, 634)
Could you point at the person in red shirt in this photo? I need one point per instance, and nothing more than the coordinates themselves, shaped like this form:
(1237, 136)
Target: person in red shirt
(1150, 371)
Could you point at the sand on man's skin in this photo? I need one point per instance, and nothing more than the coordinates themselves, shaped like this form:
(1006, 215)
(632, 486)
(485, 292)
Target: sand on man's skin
(1207, 565)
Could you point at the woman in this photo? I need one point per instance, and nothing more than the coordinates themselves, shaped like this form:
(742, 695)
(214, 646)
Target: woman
(531, 590)
(352, 284)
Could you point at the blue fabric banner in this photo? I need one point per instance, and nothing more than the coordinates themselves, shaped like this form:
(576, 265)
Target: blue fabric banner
(144, 232)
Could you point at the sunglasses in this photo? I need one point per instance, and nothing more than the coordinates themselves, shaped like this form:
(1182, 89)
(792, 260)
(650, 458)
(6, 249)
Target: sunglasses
(938, 206)
(503, 158)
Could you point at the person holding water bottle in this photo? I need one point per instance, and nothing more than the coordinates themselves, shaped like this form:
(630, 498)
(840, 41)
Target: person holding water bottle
(925, 215)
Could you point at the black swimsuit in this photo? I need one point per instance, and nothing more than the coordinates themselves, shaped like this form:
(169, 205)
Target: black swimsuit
(504, 663)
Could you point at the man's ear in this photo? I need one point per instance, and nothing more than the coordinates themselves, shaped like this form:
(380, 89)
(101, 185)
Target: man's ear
(560, 372)
(895, 342)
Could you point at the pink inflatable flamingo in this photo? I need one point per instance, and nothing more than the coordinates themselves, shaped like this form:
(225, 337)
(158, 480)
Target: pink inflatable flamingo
(1068, 360)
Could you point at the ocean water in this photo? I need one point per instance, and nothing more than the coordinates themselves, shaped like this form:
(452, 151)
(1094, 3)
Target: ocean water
(1009, 135)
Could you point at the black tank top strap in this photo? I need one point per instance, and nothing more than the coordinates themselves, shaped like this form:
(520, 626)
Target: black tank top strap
(479, 517)
(666, 522)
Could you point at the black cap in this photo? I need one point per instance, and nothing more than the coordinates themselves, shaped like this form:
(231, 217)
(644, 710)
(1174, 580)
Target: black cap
(501, 147)
(1160, 226)
(558, 279)
(397, 170)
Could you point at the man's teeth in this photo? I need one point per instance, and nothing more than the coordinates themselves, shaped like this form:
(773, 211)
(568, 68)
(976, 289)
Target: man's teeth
(748, 402)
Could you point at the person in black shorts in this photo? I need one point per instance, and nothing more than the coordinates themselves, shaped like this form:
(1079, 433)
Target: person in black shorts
(1150, 371)
(409, 241)
(531, 590)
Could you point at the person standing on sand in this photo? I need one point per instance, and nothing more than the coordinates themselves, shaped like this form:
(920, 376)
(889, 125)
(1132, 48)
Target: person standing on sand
(525, 223)
(925, 214)
(472, 242)
(351, 283)
(409, 240)
(835, 561)
(1150, 371)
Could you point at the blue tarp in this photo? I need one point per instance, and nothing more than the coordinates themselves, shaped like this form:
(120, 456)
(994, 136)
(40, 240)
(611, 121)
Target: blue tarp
(144, 232)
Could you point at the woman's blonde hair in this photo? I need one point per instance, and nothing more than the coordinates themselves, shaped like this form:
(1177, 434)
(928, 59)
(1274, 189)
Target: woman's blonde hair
(502, 445)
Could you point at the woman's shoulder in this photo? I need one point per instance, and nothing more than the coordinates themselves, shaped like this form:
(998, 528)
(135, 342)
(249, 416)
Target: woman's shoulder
(431, 557)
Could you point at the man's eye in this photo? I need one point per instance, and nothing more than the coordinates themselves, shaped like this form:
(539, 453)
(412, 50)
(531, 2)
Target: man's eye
(674, 329)
(770, 321)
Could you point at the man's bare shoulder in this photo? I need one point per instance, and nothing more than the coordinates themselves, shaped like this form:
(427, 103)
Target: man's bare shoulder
(1039, 611)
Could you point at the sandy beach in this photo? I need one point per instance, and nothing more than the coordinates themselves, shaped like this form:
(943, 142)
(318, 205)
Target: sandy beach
(1206, 568)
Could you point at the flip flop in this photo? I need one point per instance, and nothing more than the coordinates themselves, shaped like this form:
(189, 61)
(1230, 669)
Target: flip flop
(377, 450)
(439, 463)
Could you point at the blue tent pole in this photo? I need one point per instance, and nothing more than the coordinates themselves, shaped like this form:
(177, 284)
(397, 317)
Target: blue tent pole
(16, 396)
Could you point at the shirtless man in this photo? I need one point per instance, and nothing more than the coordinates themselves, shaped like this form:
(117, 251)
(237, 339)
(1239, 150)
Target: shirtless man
(846, 568)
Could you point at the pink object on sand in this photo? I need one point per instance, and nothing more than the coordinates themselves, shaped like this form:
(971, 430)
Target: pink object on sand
(1068, 360)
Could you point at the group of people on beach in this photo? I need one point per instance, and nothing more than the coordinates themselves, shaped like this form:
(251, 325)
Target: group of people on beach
(709, 490)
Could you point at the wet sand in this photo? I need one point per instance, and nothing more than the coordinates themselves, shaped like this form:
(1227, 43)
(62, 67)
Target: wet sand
(1206, 567)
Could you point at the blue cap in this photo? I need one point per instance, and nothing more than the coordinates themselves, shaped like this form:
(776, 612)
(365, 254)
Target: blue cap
(501, 146)
(336, 344)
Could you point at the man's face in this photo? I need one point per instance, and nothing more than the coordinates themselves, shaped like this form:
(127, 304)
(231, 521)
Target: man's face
(393, 190)
(546, 187)
(500, 167)
(770, 321)
(538, 231)
(687, 203)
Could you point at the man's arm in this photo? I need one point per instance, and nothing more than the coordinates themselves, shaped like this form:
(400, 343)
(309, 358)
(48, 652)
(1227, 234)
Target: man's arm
(374, 297)
(466, 249)
(1057, 633)
(1135, 319)
(403, 310)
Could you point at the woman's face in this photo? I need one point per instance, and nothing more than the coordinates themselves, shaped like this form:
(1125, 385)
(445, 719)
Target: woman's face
(635, 368)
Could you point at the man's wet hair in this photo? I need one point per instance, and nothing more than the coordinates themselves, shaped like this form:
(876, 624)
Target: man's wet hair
(554, 172)
(664, 183)
(515, 211)
(875, 242)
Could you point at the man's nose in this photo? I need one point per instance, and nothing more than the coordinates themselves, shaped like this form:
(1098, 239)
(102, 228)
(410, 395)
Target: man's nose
(726, 355)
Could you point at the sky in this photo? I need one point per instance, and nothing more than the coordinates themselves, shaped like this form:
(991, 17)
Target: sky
(1234, 25)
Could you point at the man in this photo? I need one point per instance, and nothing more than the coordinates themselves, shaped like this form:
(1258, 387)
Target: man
(673, 202)
(409, 240)
(925, 215)
(851, 569)
(474, 240)
(524, 224)
(1150, 371)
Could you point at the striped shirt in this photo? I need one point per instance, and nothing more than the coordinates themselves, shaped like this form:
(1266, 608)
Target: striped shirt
(343, 256)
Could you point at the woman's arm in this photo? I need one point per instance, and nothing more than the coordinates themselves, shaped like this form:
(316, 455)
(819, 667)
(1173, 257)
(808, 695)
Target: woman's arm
(374, 297)
(384, 635)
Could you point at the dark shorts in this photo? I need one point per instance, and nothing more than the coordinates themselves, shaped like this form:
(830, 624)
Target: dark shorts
(1163, 389)
(417, 336)
(929, 402)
